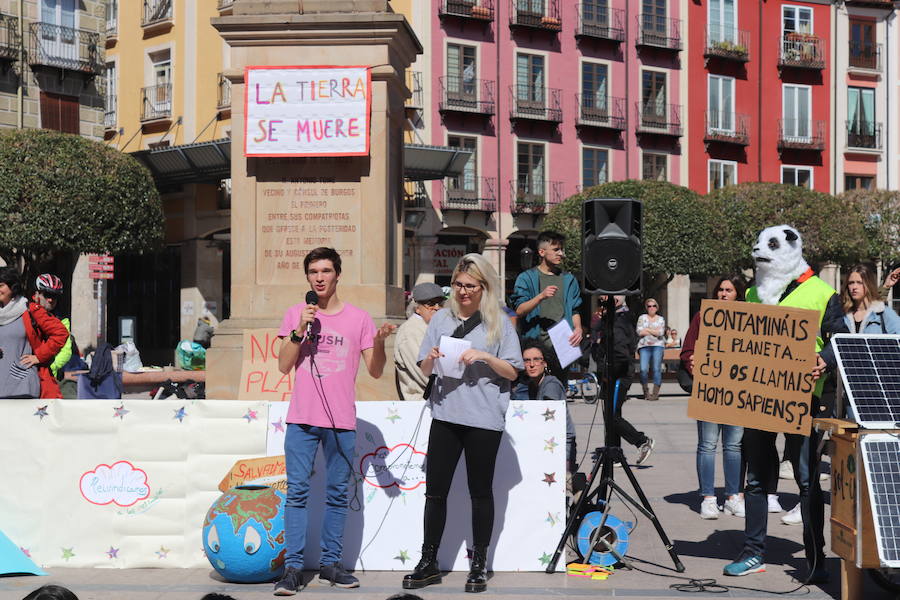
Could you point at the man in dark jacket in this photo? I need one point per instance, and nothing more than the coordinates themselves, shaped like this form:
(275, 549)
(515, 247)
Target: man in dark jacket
(624, 347)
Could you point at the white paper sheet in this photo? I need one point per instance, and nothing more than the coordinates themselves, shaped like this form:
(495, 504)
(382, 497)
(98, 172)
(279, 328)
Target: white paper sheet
(565, 352)
(452, 349)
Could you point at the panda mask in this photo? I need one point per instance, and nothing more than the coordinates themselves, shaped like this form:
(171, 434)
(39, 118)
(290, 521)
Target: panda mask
(778, 255)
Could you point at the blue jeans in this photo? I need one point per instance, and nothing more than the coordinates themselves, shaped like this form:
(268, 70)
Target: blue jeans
(651, 355)
(300, 446)
(707, 439)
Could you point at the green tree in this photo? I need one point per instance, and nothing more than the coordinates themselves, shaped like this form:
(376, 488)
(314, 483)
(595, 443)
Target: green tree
(680, 228)
(831, 228)
(880, 210)
(64, 193)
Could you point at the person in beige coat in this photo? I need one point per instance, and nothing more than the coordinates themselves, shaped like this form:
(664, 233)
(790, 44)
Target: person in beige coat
(427, 299)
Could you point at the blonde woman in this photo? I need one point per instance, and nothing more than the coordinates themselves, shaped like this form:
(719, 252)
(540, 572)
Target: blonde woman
(651, 330)
(468, 414)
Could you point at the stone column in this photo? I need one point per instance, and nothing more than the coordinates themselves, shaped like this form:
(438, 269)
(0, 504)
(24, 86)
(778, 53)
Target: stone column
(366, 192)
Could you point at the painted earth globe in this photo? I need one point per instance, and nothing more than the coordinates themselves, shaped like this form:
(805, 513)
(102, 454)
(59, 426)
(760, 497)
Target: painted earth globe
(243, 534)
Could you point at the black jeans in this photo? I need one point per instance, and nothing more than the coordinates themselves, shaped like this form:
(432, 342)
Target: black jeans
(445, 444)
(625, 430)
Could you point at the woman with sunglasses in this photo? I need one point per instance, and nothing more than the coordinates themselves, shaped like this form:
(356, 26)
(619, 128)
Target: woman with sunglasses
(468, 414)
(651, 330)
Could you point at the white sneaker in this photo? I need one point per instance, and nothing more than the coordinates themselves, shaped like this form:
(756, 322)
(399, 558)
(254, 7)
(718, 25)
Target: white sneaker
(709, 509)
(774, 505)
(785, 470)
(734, 505)
(794, 517)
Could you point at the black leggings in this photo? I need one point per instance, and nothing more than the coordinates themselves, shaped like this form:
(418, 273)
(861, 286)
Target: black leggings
(445, 444)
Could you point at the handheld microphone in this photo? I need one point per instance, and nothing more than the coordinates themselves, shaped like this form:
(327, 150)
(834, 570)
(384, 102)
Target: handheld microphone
(311, 298)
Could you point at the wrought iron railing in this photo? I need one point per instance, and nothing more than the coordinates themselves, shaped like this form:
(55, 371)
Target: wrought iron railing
(471, 193)
(727, 43)
(156, 102)
(864, 135)
(530, 196)
(9, 37)
(801, 134)
(223, 96)
(469, 96)
(109, 113)
(538, 14)
(65, 48)
(536, 103)
(658, 32)
(802, 51)
(156, 11)
(726, 127)
(482, 10)
(602, 111)
(865, 56)
(600, 22)
(661, 119)
(414, 83)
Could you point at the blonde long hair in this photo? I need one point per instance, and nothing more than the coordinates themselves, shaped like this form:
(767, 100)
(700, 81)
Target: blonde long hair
(478, 267)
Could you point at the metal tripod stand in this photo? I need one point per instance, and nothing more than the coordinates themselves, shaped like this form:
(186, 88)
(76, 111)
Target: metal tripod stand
(597, 492)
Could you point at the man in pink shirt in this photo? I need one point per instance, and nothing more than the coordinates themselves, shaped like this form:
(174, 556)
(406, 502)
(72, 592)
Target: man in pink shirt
(325, 341)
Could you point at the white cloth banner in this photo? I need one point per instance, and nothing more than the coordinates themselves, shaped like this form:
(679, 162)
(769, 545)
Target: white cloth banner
(127, 483)
(307, 111)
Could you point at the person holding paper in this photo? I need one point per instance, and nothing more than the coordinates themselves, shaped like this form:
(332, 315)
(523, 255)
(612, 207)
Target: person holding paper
(468, 410)
(545, 295)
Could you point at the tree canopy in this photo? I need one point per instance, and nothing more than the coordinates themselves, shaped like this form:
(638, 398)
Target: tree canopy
(880, 213)
(62, 192)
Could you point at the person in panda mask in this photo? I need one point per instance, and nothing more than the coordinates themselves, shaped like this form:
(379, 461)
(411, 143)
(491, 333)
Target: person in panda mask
(784, 278)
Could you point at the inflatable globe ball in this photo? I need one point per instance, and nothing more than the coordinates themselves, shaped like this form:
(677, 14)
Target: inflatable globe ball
(243, 534)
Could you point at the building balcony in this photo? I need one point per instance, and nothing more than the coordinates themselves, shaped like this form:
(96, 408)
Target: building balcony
(600, 23)
(727, 44)
(535, 103)
(658, 32)
(529, 197)
(416, 101)
(9, 37)
(109, 114)
(535, 14)
(865, 58)
(223, 93)
(863, 136)
(605, 113)
(658, 119)
(475, 96)
(802, 51)
(156, 103)
(469, 194)
(885, 4)
(65, 48)
(799, 134)
(157, 13)
(726, 128)
(479, 10)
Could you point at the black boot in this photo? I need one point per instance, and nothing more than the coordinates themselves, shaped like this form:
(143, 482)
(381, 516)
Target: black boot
(477, 580)
(426, 572)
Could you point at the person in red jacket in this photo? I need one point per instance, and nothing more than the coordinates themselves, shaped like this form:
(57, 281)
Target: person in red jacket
(29, 339)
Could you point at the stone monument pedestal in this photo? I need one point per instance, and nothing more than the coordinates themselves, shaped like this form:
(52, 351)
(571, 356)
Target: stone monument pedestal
(282, 207)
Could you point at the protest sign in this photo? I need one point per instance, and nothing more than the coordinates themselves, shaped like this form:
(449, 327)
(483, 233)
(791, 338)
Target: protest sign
(307, 111)
(753, 366)
(260, 377)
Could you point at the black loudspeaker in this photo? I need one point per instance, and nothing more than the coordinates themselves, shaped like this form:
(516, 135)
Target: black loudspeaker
(611, 255)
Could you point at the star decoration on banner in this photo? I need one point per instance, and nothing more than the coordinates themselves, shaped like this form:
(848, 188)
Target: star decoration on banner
(180, 414)
(121, 411)
(250, 416)
(549, 415)
(112, 553)
(550, 444)
(25, 551)
(163, 552)
(519, 411)
(549, 478)
(402, 557)
(552, 519)
(392, 415)
(41, 411)
(278, 425)
(545, 559)
(67, 553)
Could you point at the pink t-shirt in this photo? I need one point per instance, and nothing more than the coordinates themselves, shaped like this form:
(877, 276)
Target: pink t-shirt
(324, 393)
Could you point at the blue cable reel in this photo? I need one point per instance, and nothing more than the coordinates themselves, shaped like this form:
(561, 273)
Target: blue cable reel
(589, 535)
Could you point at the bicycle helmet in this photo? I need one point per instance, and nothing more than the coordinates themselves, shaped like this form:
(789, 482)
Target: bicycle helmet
(47, 283)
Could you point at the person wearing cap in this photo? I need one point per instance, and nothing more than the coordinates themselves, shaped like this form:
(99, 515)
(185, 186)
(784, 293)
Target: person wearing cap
(427, 299)
(48, 290)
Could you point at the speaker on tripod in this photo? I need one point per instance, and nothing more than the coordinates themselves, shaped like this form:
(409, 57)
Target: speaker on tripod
(611, 258)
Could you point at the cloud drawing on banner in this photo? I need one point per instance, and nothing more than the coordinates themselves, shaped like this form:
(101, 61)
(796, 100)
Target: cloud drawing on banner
(401, 466)
(121, 483)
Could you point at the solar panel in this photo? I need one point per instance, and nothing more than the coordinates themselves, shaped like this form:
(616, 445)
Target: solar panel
(881, 457)
(870, 369)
